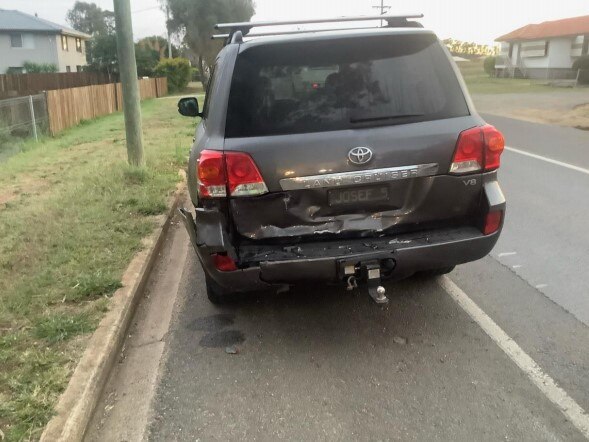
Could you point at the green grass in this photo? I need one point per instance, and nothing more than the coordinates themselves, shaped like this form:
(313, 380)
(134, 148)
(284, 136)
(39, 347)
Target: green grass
(72, 215)
(479, 82)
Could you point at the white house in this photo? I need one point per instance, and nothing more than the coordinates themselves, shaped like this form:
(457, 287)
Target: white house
(545, 50)
(25, 37)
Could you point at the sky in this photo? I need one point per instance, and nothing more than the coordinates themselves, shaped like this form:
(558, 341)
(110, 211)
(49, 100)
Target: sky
(480, 21)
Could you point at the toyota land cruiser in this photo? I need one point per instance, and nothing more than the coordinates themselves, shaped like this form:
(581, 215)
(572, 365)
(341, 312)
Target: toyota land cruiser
(338, 156)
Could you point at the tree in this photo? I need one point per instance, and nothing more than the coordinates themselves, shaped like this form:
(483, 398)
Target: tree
(159, 44)
(91, 19)
(147, 59)
(101, 49)
(195, 19)
(102, 54)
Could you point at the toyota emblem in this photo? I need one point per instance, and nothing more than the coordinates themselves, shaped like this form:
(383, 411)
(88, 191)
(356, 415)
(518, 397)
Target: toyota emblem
(360, 155)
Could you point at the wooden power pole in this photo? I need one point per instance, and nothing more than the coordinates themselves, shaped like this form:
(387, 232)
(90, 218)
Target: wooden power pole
(130, 86)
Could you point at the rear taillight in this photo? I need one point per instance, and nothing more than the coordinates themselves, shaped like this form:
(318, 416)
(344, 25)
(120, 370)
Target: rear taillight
(228, 173)
(243, 177)
(492, 222)
(211, 174)
(477, 149)
(494, 145)
(224, 263)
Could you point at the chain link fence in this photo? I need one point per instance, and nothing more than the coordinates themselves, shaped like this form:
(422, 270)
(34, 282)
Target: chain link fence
(21, 118)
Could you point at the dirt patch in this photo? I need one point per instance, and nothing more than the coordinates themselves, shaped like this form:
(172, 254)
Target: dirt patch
(6, 197)
(560, 108)
(577, 117)
(26, 186)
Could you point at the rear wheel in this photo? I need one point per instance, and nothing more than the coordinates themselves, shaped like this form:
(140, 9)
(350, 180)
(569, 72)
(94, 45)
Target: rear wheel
(216, 293)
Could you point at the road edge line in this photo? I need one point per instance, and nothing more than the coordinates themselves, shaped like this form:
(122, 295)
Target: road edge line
(567, 405)
(76, 405)
(548, 160)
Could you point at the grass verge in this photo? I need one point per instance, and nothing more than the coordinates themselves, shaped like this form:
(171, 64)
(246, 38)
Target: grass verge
(72, 215)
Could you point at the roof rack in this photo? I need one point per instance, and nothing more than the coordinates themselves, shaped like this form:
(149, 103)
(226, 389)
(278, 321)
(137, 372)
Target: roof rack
(306, 31)
(245, 27)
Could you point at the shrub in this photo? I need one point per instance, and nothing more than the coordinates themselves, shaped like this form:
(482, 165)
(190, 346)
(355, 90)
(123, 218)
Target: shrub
(176, 70)
(489, 66)
(31, 67)
(581, 63)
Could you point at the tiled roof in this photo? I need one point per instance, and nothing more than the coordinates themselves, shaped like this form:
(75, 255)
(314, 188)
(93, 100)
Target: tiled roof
(557, 28)
(13, 20)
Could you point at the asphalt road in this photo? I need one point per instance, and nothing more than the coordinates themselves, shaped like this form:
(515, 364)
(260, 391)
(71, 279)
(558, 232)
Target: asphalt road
(321, 363)
(546, 239)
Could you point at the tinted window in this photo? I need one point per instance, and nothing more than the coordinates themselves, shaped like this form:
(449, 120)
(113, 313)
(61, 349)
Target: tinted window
(342, 84)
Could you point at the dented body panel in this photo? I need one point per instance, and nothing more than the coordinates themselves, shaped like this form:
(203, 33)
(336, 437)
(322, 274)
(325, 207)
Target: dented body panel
(413, 202)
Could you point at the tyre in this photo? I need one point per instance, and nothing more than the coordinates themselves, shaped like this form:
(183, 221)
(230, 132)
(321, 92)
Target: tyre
(216, 293)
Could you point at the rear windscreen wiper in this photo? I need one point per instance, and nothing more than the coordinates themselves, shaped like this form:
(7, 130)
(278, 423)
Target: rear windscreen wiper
(385, 117)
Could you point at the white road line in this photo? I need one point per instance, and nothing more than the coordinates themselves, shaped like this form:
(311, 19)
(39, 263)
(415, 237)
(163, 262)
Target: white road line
(517, 266)
(573, 411)
(541, 286)
(548, 160)
(501, 255)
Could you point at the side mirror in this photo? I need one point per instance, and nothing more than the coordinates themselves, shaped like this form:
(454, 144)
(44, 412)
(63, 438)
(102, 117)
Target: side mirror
(189, 107)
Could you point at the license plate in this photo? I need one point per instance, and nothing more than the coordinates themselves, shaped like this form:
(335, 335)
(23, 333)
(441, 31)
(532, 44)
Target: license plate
(339, 197)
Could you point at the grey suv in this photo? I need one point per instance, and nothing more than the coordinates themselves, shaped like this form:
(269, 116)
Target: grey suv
(345, 156)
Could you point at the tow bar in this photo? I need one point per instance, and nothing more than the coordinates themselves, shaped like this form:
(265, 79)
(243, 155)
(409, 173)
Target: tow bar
(371, 272)
(375, 290)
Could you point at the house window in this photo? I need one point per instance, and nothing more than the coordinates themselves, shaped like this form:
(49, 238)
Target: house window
(79, 44)
(16, 40)
(585, 49)
(15, 70)
(64, 42)
(510, 50)
(78, 68)
(68, 68)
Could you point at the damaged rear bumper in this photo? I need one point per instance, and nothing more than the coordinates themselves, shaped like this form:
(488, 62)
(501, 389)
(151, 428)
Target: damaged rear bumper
(275, 265)
(267, 266)
(409, 253)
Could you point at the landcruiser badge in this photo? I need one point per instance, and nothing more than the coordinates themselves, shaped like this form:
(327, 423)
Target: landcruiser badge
(360, 155)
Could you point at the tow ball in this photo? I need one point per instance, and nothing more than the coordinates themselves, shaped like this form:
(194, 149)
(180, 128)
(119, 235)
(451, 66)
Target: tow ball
(375, 290)
(371, 271)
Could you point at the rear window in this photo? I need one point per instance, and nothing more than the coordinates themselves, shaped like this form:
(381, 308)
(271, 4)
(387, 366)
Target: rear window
(342, 84)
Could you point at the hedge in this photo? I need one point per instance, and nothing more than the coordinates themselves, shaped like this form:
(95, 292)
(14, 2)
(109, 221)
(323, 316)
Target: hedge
(176, 70)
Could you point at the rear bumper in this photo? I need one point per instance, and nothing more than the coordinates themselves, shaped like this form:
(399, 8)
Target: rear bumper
(410, 253)
(270, 266)
(321, 262)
